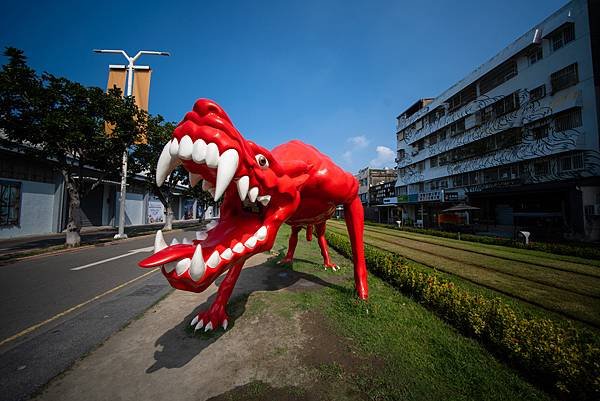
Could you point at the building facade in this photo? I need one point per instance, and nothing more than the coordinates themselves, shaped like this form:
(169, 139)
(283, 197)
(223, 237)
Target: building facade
(34, 201)
(518, 137)
(367, 179)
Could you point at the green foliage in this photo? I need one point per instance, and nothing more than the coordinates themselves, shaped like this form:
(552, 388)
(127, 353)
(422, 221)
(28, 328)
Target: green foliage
(144, 157)
(563, 359)
(580, 250)
(63, 122)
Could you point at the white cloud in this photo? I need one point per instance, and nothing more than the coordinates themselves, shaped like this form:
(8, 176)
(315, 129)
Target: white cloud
(385, 157)
(359, 141)
(347, 156)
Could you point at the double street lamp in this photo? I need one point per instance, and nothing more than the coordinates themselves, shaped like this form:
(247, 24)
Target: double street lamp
(130, 67)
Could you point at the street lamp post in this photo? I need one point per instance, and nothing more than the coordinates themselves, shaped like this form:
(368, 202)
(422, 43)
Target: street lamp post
(130, 67)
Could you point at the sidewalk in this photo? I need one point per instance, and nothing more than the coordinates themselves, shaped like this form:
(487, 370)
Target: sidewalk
(157, 357)
(89, 235)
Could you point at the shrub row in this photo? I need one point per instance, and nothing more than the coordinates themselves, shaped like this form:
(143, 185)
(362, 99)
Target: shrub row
(565, 360)
(582, 251)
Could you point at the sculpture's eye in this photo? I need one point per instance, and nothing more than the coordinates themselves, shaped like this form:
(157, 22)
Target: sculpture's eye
(262, 161)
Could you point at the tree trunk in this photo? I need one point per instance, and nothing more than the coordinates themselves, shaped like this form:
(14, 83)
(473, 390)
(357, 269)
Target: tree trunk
(168, 218)
(73, 238)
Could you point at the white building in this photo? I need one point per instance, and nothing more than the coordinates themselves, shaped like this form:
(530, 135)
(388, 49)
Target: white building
(518, 137)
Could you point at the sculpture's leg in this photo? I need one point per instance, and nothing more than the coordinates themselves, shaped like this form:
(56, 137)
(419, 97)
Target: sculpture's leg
(323, 245)
(216, 315)
(292, 245)
(309, 230)
(354, 216)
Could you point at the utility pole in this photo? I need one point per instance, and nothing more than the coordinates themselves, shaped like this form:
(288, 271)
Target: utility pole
(128, 90)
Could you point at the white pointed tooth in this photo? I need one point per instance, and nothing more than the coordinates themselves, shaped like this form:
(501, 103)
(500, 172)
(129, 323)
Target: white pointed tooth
(238, 248)
(252, 194)
(212, 155)
(186, 241)
(211, 224)
(185, 148)
(165, 164)
(159, 242)
(208, 326)
(174, 241)
(265, 199)
(250, 242)
(211, 191)
(201, 235)
(194, 321)
(242, 185)
(199, 325)
(225, 324)
(228, 164)
(213, 260)
(182, 266)
(261, 233)
(174, 147)
(169, 267)
(199, 151)
(227, 254)
(194, 179)
(197, 268)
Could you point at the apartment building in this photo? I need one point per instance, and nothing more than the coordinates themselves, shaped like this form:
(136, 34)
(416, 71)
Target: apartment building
(517, 138)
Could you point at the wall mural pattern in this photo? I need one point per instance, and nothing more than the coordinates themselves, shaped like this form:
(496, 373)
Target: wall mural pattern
(529, 148)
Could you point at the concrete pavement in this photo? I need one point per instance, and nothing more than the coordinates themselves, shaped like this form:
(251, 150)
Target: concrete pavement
(156, 358)
(58, 307)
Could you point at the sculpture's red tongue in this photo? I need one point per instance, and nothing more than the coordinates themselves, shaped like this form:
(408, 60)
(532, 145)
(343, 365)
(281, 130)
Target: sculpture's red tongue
(169, 254)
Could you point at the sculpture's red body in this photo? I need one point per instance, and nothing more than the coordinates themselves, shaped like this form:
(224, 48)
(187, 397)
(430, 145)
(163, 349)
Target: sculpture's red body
(293, 184)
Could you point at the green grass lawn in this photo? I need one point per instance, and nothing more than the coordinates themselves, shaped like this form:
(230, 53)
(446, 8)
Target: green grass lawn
(423, 358)
(548, 281)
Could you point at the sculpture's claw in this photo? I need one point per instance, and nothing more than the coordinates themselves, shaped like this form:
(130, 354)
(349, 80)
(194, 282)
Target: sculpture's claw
(331, 266)
(285, 261)
(214, 318)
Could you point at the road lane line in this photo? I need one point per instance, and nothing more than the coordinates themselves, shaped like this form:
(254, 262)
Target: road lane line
(61, 314)
(132, 252)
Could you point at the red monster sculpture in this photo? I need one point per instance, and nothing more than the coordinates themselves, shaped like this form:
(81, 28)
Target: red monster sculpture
(294, 184)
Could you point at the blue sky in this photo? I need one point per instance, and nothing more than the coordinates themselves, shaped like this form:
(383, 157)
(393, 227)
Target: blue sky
(331, 73)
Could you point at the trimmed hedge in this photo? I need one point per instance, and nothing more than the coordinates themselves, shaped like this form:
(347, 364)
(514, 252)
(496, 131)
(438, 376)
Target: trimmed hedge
(563, 360)
(582, 251)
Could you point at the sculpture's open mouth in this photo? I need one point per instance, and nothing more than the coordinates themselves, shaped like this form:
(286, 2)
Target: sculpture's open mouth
(212, 150)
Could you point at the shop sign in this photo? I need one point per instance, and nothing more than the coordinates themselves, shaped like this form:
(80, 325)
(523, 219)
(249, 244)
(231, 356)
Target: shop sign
(390, 201)
(431, 196)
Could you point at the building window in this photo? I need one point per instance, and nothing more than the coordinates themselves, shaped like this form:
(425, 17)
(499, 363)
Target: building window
(536, 55)
(571, 162)
(564, 78)
(498, 76)
(539, 129)
(10, 201)
(400, 136)
(537, 93)
(463, 97)
(442, 135)
(506, 104)
(457, 127)
(433, 139)
(421, 187)
(567, 119)
(563, 36)
(541, 168)
(490, 175)
(401, 154)
(433, 162)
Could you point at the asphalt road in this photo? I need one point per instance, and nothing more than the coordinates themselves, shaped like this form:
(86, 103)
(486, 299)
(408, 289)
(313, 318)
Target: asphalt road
(56, 308)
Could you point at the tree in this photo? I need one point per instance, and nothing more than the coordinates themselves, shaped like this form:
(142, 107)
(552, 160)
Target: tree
(57, 120)
(144, 159)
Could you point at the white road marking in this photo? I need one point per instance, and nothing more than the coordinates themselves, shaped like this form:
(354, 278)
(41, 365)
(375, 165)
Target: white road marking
(132, 252)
